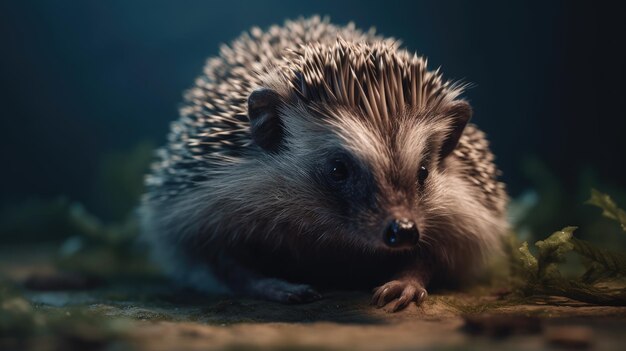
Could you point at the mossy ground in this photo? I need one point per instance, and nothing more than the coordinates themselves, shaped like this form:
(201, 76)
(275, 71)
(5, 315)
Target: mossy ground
(144, 312)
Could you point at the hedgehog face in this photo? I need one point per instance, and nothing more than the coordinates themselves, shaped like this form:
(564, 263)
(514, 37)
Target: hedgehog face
(392, 172)
(370, 128)
(367, 182)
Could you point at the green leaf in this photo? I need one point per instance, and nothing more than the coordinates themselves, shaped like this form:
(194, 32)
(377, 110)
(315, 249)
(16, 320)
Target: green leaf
(529, 262)
(554, 248)
(608, 206)
(552, 251)
(613, 263)
(542, 275)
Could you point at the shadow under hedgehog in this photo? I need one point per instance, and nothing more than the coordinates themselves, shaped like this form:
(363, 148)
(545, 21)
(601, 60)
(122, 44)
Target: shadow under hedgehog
(317, 155)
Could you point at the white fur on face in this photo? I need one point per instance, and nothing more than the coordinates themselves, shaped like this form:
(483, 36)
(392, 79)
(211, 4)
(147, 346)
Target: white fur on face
(455, 225)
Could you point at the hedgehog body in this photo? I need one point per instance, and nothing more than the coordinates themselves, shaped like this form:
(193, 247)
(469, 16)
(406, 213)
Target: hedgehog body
(317, 154)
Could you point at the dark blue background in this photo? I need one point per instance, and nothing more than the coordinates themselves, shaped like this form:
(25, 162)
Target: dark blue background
(80, 79)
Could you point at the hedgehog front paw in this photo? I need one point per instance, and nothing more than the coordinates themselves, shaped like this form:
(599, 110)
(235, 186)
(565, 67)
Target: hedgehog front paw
(402, 291)
(284, 292)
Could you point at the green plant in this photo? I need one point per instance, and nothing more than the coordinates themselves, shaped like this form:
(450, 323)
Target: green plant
(541, 274)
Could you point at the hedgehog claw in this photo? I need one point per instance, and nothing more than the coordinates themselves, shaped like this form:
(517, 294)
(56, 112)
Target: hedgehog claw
(403, 292)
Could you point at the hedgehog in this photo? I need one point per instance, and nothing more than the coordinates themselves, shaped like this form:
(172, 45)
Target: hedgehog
(312, 156)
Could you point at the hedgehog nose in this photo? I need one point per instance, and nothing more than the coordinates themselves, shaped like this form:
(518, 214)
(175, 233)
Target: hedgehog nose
(401, 233)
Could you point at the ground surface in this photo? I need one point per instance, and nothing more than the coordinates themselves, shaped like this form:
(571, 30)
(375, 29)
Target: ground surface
(147, 314)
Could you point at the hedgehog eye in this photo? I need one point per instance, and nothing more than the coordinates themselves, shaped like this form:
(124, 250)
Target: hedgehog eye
(422, 174)
(338, 170)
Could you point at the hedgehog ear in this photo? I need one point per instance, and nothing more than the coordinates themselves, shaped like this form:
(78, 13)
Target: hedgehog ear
(265, 124)
(459, 113)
